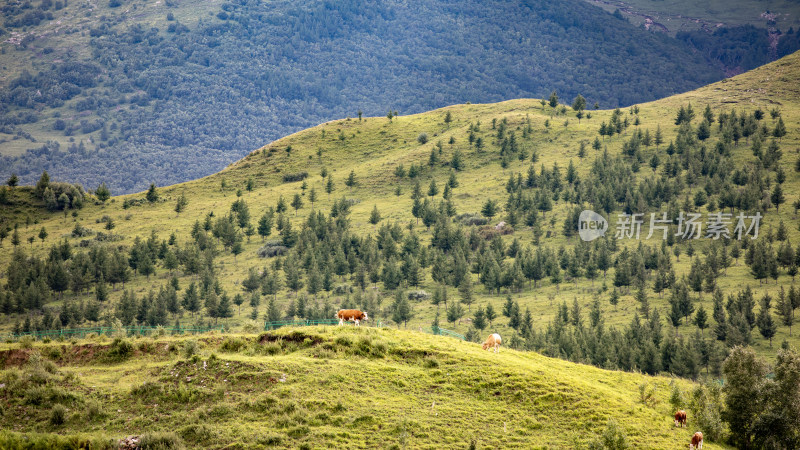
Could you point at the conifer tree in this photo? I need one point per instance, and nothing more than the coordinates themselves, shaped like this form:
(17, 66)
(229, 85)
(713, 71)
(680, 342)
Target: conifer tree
(180, 205)
(777, 196)
(102, 193)
(273, 312)
(238, 299)
(433, 190)
(191, 300)
(701, 319)
(553, 100)
(465, 289)
(489, 208)
(375, 215)
(401, 309)
(785, 310)
(297, 203)
(152, 193)
(455, 312)
(224, 307)
(490, 314)
(766, 324)
(351, 179)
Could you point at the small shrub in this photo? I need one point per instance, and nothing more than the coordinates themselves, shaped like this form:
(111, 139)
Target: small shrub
(146, 347)
(339, 407)
(119, 350)
(431, 363)
(233, 345)
(26, 342)
(35, 395)
(472, 219)
(252, 327)
(271, 440)
(343, 341)
(146, 390)
(81, 231)
(676, 398)
(271, 249)
(189, 348)
(298, 432)
(418, 295)
(613, 438)
(342, 289)
(291, 177)
(647, 394)
(94, 410)
(196, 433)
(58, 415)
(160, 441)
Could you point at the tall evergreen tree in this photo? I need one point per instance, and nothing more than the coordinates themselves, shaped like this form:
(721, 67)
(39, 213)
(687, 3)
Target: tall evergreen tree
(785, 310)
(766, 324)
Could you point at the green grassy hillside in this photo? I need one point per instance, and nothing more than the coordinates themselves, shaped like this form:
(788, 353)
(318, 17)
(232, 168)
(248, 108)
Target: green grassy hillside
(324, 387)
(373, 148)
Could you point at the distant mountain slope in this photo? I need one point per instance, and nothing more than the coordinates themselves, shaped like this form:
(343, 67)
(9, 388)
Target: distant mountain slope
(126, 96)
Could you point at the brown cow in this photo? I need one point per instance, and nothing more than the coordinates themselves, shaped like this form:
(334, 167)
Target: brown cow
(697, 441)
(351, 315)
(493, 341)
(680, 418)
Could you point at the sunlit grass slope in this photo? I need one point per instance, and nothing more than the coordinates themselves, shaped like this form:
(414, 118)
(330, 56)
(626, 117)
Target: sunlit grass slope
(326, 387)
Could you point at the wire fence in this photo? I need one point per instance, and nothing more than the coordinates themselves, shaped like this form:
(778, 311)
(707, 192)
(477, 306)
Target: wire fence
(133, 330)
(143, 330)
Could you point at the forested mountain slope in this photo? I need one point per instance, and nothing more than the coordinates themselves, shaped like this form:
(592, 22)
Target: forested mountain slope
(129, 92)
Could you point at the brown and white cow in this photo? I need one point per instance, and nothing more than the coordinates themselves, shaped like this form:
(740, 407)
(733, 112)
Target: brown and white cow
(680, 418)
(351, 315)
(697, 441)
(493, 341)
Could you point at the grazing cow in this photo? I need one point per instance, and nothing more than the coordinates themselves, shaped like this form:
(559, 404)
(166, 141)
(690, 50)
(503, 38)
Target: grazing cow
(351, 315)
(680, 418)
(493, 341)
(697, 441)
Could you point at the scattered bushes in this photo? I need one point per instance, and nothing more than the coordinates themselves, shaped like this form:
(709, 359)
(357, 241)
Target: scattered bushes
(299, 176)
(342, 289)
(26, 342)
(58, 415)
(472, 219)
(418, 295)
(233, 345)
(81, 231)
(119, 350)
(189, 348)
(613, 438)
(271, 249)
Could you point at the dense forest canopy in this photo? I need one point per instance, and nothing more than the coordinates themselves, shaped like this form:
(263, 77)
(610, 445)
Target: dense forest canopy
(167, 105)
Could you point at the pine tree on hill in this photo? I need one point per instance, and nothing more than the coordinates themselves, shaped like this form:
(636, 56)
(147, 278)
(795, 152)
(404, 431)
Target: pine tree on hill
(766, 324)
